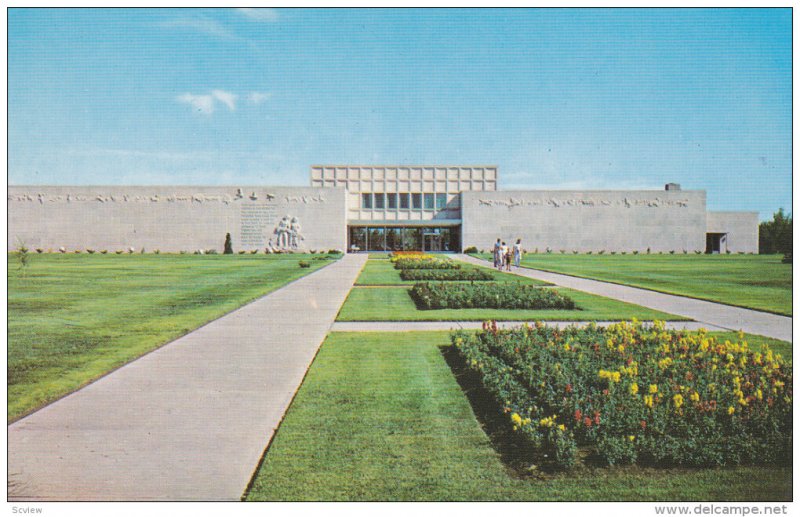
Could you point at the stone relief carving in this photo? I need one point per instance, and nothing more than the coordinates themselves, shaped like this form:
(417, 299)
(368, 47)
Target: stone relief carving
(126, 198)
(625, 202)
(287, 234)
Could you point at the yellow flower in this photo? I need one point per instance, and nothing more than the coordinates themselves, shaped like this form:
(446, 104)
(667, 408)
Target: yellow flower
(566, 347)
(562, 427)
(759, 394)
(631, 437)
(731, 410)
(678, 400)
(634, 388)
(620, 349)
(695, 397)
(648, 400)
(516, 419)
(653, 388)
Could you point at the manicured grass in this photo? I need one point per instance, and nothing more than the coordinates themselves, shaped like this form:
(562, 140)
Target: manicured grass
(382, 272)
(758, 282)
(72, 318)
(381, 417)
(395, 304)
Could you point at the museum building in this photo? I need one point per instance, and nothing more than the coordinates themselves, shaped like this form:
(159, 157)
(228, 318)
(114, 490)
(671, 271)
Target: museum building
(437, 208)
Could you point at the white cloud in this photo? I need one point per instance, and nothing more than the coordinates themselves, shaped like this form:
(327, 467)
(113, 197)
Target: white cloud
(226, 98)
(258, 97)
(200, 103)
(260, 14)
(205, 25)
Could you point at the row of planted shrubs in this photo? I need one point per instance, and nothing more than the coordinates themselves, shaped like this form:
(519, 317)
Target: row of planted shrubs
(425, 263)
(479, 275)
(494, 295)
(631, 394)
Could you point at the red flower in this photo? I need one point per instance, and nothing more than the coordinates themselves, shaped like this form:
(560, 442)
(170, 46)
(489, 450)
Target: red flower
(569, 388)
(587, 422)
(597, 417)
(643, 424)
(605, 392)
(578, 415)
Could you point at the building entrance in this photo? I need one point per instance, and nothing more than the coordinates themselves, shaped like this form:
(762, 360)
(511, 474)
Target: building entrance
(404, 238)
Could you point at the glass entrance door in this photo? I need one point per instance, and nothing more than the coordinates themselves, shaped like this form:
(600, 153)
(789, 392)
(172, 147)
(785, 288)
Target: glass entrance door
(432, 242)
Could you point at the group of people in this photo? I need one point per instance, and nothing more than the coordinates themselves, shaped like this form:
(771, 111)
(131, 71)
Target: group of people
(504, 254)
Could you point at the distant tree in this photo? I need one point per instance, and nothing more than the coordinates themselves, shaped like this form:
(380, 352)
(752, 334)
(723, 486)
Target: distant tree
(228, 245)
(776, 236)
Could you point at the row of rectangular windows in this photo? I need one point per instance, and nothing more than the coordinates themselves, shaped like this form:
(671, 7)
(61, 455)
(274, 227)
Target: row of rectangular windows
(403, 200)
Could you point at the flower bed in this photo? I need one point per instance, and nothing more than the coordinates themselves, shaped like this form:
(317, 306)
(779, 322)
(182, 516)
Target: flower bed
(446, 274)
(631, 394)
(425, 263)
(502, 295)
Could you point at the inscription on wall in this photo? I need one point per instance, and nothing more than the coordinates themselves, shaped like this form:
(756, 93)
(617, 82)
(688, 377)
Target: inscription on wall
(257, 221)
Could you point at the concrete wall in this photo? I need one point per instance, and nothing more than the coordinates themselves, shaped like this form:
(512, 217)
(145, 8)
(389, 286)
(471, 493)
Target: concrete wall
(172, 218)
(741, 229)
(587, 220)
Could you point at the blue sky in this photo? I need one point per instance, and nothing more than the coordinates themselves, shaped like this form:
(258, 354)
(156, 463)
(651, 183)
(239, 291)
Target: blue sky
(573, 98)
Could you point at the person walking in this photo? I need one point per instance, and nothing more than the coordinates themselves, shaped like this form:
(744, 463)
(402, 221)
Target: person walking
(509, 257)
(517, 252)
(496, 253)
(503, 253)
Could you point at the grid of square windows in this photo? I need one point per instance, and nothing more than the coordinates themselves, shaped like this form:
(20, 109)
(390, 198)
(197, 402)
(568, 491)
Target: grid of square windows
(403, 201)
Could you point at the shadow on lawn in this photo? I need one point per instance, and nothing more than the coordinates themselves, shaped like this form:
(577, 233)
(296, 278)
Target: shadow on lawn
(519, 457)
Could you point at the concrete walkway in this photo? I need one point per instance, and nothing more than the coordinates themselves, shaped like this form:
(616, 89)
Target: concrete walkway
(189, 421)
(710, 313)
(415, 326)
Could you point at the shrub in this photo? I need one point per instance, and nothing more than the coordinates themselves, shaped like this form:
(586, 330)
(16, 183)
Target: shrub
(39, 250)
(685, 252)
(253, 252)
(90, 251)
(601, 252)
(626, 393)
(446, 274)
(671, 252)
(77, 251)
(425, 263)
(635, 252)
(228, 247)
(574, 252)
(335, 252)
(562, 251)
(589, 252)
(504, 295)
(242, 252)
(304, 264)
(184, 252)
(212, 251)
(613, 252)
(104, 252)
(648, 250)
(119, 252)
(697, 252)
(471, 249)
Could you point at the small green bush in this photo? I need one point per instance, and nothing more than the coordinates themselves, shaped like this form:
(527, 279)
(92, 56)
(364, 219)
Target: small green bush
(471, 249)
(228, 247)
(304, 264)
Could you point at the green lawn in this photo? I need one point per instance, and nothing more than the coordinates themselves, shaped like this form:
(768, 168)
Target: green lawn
(381, 417)
(382, 272)
(759, 282)
(395, 304)
(72, 318)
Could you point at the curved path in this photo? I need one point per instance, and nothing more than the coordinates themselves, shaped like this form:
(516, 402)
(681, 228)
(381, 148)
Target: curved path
(189, 421)
(714, 314)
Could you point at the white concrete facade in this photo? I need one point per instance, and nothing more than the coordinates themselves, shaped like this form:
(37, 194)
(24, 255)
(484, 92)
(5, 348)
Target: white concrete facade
(173, 219)
(430, 207)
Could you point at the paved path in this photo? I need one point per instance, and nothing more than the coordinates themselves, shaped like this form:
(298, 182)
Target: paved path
(190, 420)
(710, 313)
(411, 326)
